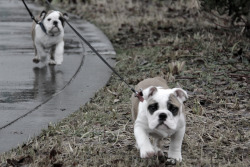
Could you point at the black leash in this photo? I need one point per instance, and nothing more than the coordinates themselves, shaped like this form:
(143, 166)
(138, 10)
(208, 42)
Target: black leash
(137, 94)
(34, 19)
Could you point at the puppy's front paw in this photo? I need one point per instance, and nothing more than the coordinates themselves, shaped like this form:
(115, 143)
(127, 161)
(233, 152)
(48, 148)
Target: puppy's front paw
(36, 60)
(175, 155)
(59, 59)
(59, 62)
(147, 152)
(52, 62)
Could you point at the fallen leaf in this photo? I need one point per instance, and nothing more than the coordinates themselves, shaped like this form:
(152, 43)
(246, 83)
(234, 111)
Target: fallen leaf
(114, 93)
(12, 162)
(53, 153)
(116, 100)
(22, 161)
(25, 160)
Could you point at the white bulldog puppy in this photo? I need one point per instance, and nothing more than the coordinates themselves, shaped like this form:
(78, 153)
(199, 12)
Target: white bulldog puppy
(160, 115)
(50, 37)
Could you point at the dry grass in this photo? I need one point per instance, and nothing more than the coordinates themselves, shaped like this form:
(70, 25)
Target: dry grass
(215, 74)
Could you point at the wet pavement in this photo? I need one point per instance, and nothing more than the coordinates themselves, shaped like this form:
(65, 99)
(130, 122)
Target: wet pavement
(34, 95)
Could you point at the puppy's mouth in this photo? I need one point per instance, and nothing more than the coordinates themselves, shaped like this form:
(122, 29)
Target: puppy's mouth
(162, 124)
(54, 31)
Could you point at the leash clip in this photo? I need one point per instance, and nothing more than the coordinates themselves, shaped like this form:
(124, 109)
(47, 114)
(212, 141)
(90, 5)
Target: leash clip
(139, 95)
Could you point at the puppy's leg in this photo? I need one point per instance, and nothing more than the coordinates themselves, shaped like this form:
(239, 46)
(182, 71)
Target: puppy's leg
(58, 54)
(52, 57)
(175, 145)
(143, 142)
(157, 146)
(39, 51)
(36, 59)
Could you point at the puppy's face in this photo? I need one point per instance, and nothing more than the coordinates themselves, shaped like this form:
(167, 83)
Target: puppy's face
(164, 107)
(53, 22)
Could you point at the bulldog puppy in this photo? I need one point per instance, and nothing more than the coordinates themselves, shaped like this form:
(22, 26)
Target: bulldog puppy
(51, 37)
(160, 115)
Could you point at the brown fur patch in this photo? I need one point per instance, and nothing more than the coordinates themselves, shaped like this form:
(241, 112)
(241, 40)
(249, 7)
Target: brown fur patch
(173, 100)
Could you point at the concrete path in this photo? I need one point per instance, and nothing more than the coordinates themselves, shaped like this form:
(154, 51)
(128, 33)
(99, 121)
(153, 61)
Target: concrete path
(33, 95)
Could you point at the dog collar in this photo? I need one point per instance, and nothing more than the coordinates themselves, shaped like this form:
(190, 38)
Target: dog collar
(42, 26)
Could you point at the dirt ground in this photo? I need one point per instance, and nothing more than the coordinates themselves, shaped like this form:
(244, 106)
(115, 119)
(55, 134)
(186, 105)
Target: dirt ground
(190, 48)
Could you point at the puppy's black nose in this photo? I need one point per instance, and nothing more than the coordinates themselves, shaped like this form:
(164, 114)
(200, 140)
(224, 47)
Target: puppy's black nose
(162, 117)
(55, 23)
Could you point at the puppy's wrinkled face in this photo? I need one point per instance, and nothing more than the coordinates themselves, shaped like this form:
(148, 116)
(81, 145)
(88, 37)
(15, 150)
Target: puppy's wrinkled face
(54, 23)
(164, 107)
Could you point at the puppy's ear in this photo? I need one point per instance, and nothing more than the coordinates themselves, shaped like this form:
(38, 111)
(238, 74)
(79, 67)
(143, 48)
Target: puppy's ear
(43, 14)
(65, 15)
(180, 94)
(149, 92)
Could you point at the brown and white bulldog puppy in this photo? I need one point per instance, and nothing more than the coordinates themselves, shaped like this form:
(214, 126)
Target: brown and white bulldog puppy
(51, 37)
(160, 115)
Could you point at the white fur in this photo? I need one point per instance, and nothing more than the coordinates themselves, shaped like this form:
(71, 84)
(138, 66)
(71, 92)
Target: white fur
(147, 124)
(52, 38)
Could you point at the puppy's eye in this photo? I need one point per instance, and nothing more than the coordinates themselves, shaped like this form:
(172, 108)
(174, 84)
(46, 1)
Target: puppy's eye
(173, 109)
(49, 19)
(153, 107)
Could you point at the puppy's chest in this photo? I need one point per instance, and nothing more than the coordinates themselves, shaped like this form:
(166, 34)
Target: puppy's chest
(48, 41)
(161, 133)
